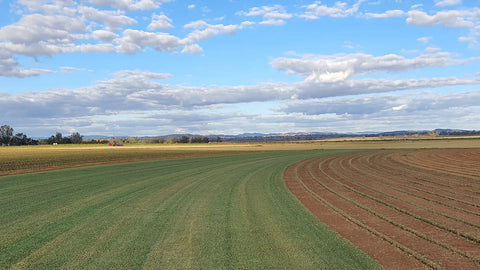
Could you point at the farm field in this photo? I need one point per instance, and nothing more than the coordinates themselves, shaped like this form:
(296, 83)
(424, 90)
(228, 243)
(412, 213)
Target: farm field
(408, 204)
(223, 212)
(408, 209)
(34, 158)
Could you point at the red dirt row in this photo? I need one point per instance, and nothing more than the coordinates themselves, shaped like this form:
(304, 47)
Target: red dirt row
(407, 209)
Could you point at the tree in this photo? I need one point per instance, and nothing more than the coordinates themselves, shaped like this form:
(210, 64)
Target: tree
(199, 139)
(58, 137)
(76, 138)
(171, 140)
(19, 139)
(183, 139)
(6, 134)
(7, 138)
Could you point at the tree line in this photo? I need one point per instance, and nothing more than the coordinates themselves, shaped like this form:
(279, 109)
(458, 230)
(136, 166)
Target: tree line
(7, 138)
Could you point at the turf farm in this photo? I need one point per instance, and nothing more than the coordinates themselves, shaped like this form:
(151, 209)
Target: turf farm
(283, 206)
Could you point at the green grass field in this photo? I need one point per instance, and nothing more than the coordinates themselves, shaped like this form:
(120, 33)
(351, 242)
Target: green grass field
(223, 212)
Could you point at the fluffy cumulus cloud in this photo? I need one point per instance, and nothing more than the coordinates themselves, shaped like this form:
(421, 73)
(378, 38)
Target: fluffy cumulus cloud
(48, 28)
(38, 34)
(133, 41)
(160, 22)
(113, 20)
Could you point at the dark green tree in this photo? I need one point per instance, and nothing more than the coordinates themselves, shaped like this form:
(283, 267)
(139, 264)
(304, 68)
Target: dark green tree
(19, 139)
(6, 134)
(58, 137)
(76, 138)
(183, 139)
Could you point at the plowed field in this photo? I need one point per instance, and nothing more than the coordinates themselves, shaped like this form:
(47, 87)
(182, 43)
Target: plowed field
(407, 209)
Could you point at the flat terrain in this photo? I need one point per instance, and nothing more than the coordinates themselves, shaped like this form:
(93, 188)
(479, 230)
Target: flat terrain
(228, 212)
(226, 206)
(34, 158)
(408, 209)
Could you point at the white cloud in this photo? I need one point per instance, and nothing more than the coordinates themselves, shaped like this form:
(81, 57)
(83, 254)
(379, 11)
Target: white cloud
(333, 68)
(192, 6)
(417, 6)
(105, 35)
(131, 90)
(339, 10)
(425, 110)
(45, 29)
(50, 7)
(133, 41)
(424, 40)
(130, 4)
(272, 15)
(192, 49)
(140, 91)
(386, 14)
(203, 30)
(142, 98)
(160, 22)
(450, 18)
(381, 104)
(432, 50)
(113, 20)
(325, 89)
(466, 39)
(446, 3)
(9, 67)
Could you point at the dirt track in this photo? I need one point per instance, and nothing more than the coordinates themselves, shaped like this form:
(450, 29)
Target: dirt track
(408, 209)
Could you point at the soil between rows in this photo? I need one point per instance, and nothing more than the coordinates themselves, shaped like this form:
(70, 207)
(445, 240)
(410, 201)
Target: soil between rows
(407, 209)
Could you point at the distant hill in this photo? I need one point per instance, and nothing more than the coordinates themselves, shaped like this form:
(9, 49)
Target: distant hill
(299, 136)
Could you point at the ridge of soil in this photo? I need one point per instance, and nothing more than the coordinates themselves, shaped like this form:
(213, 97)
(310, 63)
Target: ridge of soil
(407, 209)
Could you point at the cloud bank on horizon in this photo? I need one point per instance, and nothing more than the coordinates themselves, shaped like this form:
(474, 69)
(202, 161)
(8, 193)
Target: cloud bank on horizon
(155, 67)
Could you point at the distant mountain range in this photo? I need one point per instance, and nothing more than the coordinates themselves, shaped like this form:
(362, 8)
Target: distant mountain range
(297, 136)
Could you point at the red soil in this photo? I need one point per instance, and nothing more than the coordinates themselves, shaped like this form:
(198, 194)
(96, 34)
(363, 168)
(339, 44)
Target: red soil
(407, 209)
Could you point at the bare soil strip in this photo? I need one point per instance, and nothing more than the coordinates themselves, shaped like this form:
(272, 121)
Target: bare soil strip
(407, 209)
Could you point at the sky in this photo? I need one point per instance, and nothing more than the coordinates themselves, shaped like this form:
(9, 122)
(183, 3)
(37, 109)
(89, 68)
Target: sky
(158, 67)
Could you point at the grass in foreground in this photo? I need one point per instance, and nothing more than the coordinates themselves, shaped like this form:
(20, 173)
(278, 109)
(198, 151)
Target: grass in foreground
(229, 212)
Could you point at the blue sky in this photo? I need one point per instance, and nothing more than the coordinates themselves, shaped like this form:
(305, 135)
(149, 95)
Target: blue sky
(156, 67)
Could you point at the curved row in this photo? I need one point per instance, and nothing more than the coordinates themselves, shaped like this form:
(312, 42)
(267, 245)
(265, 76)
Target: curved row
(425, 214)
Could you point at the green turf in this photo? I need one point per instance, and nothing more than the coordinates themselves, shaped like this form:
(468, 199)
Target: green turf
(230, 212)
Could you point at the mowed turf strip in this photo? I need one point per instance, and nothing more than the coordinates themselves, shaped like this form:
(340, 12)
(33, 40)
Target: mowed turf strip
(229, 212)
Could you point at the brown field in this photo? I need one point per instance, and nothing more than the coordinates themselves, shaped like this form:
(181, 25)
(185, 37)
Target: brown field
(407, 209)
